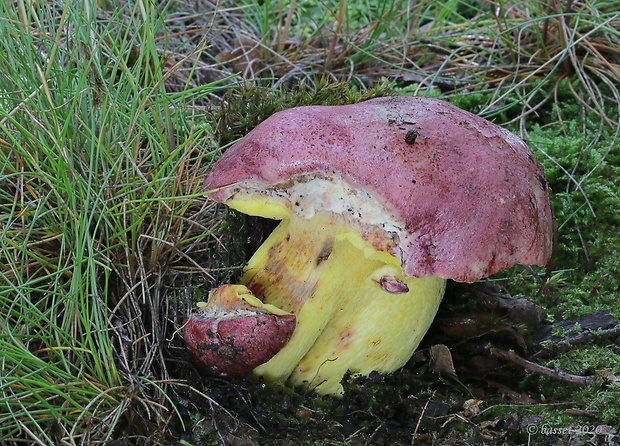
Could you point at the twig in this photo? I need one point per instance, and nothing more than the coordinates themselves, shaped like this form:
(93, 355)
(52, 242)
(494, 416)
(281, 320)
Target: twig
(417, 426)
(287, 25)
(332, 45)
(532, 367)
(582, 338)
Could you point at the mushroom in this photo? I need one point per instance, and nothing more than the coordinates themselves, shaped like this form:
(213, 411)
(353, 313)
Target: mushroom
(380, 202)
(234, 331)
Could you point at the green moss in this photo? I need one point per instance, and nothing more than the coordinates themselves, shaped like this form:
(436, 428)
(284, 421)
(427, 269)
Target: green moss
(245, 107)
(587, 360)
(586, 201)
(600, 404)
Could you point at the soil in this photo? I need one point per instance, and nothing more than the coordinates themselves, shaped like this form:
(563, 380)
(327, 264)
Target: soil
(455, 390)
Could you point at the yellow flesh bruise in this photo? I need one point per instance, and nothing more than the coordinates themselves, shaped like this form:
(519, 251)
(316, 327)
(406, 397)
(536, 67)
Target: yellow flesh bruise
(327, 275)
(231, 297)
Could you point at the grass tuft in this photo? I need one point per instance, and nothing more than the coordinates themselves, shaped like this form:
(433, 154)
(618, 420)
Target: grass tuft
(100, 197)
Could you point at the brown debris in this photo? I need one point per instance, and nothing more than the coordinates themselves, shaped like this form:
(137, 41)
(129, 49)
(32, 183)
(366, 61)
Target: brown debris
(511, 356)
(441, 360)
(518, 309)
(599, 326)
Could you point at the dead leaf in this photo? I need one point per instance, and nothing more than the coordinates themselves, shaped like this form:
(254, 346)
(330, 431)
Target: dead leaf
(514, 397)
(468, 325)
(471, 408)
(475, 325)
(441, 360)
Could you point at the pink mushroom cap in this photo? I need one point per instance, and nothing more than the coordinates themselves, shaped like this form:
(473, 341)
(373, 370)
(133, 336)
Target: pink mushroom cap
(235, 346)
(230, 336)
(469, 196)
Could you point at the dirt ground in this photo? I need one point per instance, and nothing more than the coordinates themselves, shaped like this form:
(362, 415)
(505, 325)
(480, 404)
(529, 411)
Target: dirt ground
(464, 386)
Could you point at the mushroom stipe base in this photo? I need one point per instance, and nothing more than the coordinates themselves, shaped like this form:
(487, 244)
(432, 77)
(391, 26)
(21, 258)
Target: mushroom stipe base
(355, 309)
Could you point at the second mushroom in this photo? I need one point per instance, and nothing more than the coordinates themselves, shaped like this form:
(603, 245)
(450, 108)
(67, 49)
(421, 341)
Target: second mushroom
(380, 202)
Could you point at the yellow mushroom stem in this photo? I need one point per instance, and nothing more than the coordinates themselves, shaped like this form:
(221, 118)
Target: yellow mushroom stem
(338, 286)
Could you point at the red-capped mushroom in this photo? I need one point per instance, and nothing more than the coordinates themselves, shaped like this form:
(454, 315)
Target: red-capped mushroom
(380, 203)
(234, 332)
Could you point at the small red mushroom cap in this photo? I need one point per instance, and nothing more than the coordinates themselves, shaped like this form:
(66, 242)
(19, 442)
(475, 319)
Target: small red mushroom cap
(230, 337)
(470, 198)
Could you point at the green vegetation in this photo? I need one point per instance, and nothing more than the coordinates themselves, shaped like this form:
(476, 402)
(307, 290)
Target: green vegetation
(111, 113)
(100, 181)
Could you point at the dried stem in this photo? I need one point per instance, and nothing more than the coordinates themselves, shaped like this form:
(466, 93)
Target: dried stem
(532, 367)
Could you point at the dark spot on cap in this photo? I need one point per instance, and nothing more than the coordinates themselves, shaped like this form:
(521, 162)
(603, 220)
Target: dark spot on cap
(411, 136)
